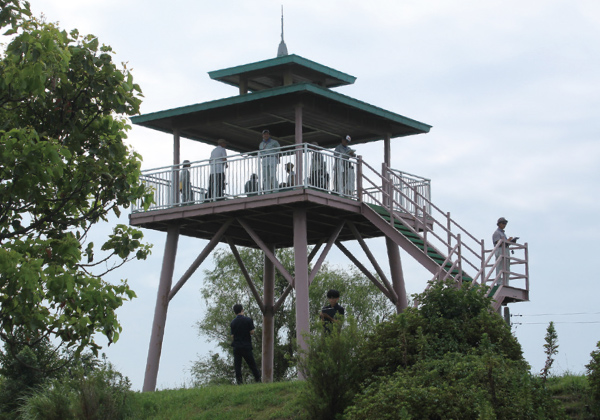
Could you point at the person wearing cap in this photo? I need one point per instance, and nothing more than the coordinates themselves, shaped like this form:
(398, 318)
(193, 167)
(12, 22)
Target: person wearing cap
(185, 186)
(344, 171)
(503, 266)
(269, 159)
(218, 163)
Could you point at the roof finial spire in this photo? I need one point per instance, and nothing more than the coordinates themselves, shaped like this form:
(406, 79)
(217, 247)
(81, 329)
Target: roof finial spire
(282, 50)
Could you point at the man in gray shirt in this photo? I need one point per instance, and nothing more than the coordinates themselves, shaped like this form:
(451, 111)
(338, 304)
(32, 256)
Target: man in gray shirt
(502, 250)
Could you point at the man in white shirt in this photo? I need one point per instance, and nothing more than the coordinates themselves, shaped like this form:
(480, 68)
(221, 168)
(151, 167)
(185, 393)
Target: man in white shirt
(344, 171)
(218, 163)
(269, 158)
(503, 266)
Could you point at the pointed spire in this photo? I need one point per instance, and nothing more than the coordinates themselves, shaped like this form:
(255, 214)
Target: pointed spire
(282, 50)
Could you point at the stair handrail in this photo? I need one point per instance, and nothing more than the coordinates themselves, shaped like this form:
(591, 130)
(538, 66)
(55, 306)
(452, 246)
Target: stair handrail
(391, 204)
(447, 227)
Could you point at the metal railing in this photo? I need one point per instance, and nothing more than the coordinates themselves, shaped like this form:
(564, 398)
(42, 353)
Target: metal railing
(308, 166)
(401, 193)
(250, 174)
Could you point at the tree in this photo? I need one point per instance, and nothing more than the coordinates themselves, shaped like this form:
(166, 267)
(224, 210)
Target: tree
(451, 357)
(550, 348)
(225, 285)
(593, 376)
(64, 167)
(448, 319)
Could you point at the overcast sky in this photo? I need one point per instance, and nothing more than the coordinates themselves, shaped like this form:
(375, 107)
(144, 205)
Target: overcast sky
(511, 88)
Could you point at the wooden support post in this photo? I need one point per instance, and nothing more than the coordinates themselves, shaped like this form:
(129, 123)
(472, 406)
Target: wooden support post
(268, 338)
(397, 275)
(301, 278)
(300, 154)
(160, 311)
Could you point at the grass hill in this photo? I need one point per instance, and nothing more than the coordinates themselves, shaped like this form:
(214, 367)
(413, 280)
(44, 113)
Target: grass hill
(276, 401)
(279, 401)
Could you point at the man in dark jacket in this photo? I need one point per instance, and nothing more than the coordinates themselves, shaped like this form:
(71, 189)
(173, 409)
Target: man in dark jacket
(242, 328)
(329, 312)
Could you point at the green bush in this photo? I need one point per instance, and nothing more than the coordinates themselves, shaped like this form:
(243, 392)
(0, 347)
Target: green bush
(458, 386)
(100, 394)
(331, 369)
(449, 319)
(24, 368)
(593, 376)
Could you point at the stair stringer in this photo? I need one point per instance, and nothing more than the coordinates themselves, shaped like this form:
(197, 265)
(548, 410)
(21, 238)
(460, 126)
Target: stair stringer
(399, 239)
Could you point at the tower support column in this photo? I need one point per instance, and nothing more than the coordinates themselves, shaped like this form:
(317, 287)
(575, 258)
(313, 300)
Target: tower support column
(160, 312)
(397, 274)
(268, 333)
(301, 278)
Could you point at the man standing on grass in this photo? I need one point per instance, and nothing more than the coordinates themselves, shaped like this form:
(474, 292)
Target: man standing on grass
(242, 328)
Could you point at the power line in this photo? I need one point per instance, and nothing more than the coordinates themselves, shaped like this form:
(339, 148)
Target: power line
(559, 322)
(565, 314)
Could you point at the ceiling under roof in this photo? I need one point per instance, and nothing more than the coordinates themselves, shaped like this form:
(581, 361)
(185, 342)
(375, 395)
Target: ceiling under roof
(279, 88)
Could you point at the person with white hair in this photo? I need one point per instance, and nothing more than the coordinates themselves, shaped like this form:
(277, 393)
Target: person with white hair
(218, 163)
(344, 171)
(269, 158)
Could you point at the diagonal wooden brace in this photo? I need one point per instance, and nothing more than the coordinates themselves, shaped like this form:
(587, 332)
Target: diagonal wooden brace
(200, 259)
(270, 255)
(240, 262)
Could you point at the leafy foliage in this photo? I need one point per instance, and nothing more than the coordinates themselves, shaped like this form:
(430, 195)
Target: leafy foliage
(64, 167)
(449, 319)
(101, 393)
(362, 300)
(593, 376)
(330, 367)
(479, 385)
(31, 367)
(550, 348)
(451, 357)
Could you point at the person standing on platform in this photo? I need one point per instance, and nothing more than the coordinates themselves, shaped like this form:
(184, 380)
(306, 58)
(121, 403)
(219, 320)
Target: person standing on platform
(218, 163)
(318, 169)
(502, 266)
(185, 185)
(242, 328)
(269, 158)
(344, 171)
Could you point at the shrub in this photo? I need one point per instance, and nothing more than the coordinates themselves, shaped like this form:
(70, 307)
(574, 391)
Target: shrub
(99, 394)
(331, 369)
(449, 319)
(474, 386)
(593, 376)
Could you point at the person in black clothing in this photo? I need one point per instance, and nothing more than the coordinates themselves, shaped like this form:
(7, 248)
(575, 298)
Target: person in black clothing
(329, 312)
(242, 328)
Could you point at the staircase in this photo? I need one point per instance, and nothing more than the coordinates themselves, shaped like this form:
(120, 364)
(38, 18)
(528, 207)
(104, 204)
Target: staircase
(399, 205)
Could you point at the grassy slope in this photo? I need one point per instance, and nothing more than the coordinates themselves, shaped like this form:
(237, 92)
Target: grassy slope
(279, 401)
(228, 402)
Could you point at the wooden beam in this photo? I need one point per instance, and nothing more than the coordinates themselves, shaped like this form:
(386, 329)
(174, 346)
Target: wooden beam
(240, 262)
(332, 239)
(270, 255)
(200, 259)
(364, 270)
(371, 258)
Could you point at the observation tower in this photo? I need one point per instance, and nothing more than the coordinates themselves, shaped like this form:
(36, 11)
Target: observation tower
(293, 98)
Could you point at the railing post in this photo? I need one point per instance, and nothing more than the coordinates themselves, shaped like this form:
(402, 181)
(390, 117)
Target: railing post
(449, 227)
(483, 274)
(526, 267)
(359, 179)
(459, 243)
